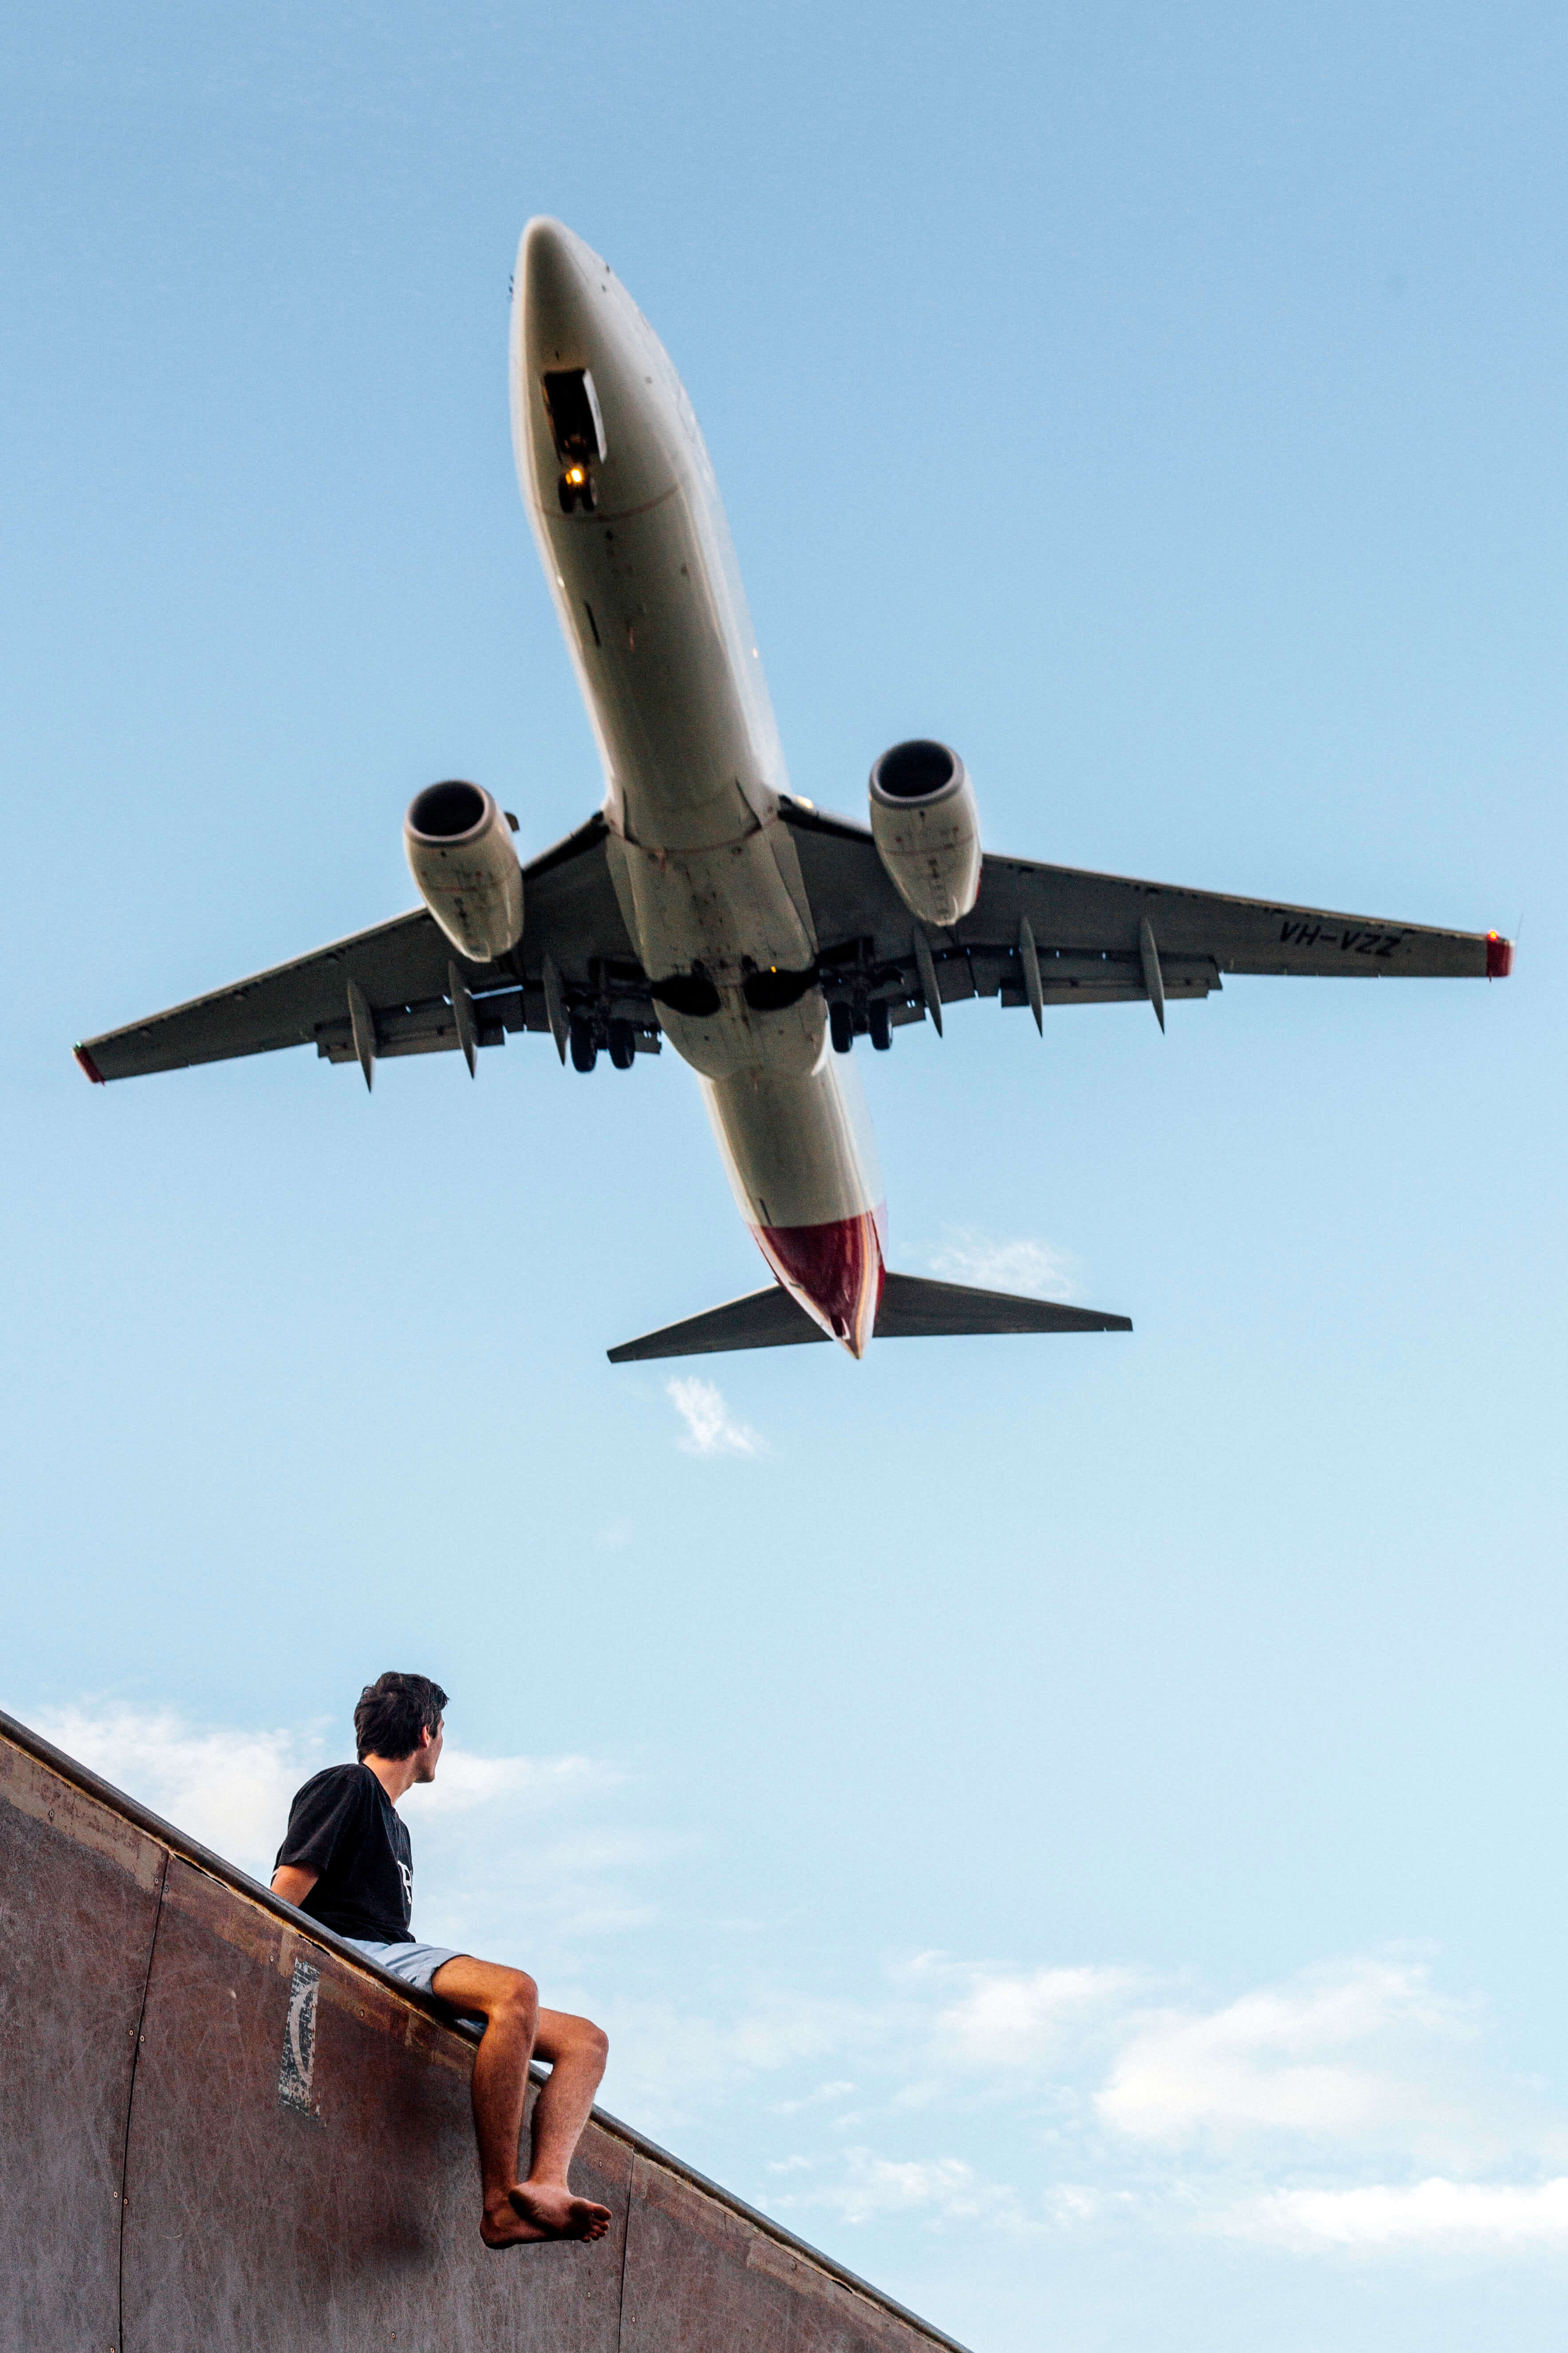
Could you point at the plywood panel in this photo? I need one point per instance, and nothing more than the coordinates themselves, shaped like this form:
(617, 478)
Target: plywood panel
(79, 1897)
(302, 2183)
(700, 2278)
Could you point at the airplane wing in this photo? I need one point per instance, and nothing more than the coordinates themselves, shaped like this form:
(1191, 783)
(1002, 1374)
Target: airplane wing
(1092, 939)
(402, 988)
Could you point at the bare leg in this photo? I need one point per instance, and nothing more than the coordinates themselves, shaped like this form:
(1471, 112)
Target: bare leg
(575, 2049)
(543, 2206)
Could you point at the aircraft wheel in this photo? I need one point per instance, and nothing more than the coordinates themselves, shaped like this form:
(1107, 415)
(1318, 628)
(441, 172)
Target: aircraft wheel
(840, 1026)
(622, 1045)
(881, 1024)
(584, 1052)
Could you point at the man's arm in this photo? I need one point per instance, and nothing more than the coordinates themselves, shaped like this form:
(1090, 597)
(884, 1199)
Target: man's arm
(293, 1882)
(329, 1806)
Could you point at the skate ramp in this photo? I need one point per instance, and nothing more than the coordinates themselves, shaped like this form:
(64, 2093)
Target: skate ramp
(226, 2133)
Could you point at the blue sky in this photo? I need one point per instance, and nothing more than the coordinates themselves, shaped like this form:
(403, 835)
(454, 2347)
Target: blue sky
(1073, 1826)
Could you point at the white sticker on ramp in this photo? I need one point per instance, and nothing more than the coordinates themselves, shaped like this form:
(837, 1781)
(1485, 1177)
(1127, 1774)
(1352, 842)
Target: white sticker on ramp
(299, 2040)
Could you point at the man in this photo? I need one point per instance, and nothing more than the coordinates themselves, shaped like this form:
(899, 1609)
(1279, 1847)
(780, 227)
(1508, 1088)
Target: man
(347, 1862)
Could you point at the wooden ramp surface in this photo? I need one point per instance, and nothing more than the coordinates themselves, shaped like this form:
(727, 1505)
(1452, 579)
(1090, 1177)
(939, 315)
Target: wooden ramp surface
(225, 2133)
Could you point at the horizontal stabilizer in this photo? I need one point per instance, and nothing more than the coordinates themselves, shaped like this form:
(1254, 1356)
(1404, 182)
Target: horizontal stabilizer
(763, 1319)
(912, 1308)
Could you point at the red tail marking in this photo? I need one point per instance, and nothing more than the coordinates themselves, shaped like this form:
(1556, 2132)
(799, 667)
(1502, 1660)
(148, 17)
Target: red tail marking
(834, 1270)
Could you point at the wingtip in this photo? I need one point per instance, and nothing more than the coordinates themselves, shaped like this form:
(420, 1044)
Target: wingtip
(88, 1065)
(1499, 956)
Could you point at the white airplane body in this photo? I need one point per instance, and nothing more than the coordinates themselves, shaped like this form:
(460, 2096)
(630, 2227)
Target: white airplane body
(708, 905)
(650, 602)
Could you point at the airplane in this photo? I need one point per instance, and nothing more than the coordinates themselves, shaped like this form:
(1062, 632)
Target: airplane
(708, 904)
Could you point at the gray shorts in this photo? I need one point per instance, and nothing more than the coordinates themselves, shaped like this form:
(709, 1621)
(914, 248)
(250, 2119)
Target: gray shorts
(414, 1964)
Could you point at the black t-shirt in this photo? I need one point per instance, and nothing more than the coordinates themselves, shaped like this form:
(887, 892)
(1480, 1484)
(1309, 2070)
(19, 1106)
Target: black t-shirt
(343, 1826)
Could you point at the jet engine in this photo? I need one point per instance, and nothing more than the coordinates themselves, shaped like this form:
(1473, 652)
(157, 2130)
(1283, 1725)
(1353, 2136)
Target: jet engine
(927, 830)
(458, 844)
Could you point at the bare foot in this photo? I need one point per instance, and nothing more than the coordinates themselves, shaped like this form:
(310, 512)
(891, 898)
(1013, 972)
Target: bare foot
(503, 2227)
(548, 2210)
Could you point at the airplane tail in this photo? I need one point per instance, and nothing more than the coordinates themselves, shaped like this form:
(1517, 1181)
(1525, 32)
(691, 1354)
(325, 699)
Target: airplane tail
(912, 1308)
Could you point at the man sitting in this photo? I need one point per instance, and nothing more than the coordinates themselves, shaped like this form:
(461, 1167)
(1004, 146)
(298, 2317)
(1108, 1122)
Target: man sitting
(347, 1862)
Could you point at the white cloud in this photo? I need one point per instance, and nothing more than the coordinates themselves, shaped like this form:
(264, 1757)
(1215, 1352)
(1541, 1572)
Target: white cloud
(1347, 2055)
(1070, 2204)
(1364, 2063)
(710, 1429)
(1008, 2020)
(1144, 2115)
(824, 2094)
(865, 2187)
(682, 2062)
(228, 1790)
(967, 1255)
(871, 2184)
(1436, 2213)
(464, 1780)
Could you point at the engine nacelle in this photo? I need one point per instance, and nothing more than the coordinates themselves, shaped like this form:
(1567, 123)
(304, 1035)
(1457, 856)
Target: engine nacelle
(458, 844)
(927, 830)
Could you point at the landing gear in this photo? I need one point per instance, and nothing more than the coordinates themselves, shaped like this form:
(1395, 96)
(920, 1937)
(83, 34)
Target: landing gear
(622, 1045)
(881, 1014)
(841, 1026)
(584, 1045)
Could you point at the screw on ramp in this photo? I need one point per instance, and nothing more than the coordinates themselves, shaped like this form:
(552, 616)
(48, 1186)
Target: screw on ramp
(229, 2133)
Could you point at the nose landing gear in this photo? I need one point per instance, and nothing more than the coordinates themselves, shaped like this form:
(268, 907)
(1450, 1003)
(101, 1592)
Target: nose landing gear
(578, 429)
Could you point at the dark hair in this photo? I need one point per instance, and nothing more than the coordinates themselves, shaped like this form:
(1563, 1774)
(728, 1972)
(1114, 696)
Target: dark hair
(393, 1711)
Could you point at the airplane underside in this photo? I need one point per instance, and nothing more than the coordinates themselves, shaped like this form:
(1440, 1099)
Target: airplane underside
(708, 906)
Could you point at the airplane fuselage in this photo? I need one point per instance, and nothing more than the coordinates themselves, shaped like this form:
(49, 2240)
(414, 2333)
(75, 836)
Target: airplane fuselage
(651, 605)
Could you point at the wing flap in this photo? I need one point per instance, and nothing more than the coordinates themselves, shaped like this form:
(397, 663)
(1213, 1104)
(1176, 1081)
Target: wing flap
(431, 1028)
